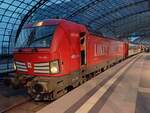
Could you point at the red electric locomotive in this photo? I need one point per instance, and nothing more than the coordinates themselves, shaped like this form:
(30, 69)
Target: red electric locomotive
(57, 55)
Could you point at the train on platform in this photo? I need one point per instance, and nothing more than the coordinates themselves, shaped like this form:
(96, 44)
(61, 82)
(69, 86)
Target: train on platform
(54, 56)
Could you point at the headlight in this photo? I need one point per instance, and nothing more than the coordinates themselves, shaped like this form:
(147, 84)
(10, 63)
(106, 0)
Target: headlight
(14, 66)
(54, 67)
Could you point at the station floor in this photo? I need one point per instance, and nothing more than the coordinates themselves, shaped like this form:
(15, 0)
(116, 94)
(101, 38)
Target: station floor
(124, 88)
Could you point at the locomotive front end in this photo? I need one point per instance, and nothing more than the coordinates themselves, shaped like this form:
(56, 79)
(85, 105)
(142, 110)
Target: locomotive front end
(34, 61)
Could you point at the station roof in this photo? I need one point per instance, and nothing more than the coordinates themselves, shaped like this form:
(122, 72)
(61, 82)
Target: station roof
(115, 18)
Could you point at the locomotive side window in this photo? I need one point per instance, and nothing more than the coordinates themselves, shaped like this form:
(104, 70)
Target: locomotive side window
(82, 34)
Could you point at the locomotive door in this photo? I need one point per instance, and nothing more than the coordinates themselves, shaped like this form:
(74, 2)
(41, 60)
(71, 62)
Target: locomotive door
(83, 48)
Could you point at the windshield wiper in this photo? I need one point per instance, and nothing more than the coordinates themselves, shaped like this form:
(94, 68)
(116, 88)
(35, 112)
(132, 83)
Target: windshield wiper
(42, 37)
(31, 37)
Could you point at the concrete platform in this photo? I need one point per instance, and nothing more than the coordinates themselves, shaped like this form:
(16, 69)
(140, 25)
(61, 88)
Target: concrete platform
(124, 88)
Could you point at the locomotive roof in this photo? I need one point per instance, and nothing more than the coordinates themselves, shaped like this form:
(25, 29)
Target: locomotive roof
(44, 23)
(57, 21)
(48, 22)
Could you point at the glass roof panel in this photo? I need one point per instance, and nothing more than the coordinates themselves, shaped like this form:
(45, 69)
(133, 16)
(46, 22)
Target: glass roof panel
(101, 16)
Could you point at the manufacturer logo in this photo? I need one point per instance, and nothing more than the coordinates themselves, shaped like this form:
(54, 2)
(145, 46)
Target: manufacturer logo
(29, 65)
(43, 57)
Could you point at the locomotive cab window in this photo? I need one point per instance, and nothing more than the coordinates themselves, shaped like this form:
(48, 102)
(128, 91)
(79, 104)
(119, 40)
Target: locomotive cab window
(36, 37)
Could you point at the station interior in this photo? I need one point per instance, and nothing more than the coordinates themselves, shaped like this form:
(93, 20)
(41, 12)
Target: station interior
(74, 56)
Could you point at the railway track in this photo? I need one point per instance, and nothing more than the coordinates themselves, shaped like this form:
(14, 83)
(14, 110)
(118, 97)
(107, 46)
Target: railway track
(26, 106)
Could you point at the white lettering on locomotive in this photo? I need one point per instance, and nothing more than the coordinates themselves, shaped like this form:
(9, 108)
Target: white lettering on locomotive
(100, 49)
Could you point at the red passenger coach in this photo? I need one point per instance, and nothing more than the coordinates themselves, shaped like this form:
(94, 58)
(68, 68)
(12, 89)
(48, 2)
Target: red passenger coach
(57, 55)
(102, 49)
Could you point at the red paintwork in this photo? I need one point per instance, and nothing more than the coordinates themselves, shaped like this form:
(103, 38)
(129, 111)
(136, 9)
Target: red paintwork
(65, 47)
(111, 49)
